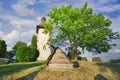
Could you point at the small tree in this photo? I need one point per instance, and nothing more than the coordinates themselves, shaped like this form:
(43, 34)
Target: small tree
(34, 41)
(2, 48)
(81, 27)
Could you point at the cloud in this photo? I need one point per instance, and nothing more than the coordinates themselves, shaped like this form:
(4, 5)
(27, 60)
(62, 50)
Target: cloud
(27, 35)
(43, 1)
(22, 29)
(106, 1)
(1, 34)
(19, 23)
(109, 8)
(9, 17)
(115, 23)
(23, 23)
(116, 51)
(14, 36)
(11, 38)
(22, 8)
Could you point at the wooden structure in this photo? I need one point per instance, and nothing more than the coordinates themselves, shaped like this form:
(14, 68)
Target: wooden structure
(59, 60)
(96, 59)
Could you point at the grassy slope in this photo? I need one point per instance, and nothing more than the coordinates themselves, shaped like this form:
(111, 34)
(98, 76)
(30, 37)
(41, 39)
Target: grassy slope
(37, 71)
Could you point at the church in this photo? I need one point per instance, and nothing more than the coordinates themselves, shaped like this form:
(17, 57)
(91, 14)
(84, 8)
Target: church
(42, 46)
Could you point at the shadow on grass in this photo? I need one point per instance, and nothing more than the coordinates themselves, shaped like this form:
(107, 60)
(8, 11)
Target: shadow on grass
(114, 67)
(31, 76)
(99, 77)
(17, 67)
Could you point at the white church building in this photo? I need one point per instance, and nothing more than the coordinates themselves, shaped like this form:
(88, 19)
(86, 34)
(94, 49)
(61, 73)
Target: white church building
(42, 46)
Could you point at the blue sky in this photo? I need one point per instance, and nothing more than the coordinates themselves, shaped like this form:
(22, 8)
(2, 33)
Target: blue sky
(18, 18)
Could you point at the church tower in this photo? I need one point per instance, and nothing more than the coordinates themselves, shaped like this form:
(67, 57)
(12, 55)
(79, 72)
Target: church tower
(42, 38)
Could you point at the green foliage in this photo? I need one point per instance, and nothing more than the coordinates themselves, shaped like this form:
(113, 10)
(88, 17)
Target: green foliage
(34, 41)
(26, 54)
(114, 61)
(2, 48)
(19, 44)
(10, 54)
(82, 27)
(14, 68)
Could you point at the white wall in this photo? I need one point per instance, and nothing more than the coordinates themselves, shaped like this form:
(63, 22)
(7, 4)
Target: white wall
(42, 40)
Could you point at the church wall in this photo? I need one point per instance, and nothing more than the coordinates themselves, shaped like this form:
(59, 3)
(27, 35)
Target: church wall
(42, 46)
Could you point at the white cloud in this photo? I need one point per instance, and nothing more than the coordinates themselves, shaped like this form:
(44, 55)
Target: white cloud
(19, 23)
(115, 23)
(9, 17)
(108, 8)
(22, 8)
(23, 23)
(1, 34)
(43, 1)
(30, 2)
(14, 36)
(106, 1)
(116, 51)
(22, 30)
(11, 38)
(27, 35)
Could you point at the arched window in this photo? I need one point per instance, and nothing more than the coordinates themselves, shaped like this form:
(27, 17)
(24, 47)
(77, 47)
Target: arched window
(44, 47)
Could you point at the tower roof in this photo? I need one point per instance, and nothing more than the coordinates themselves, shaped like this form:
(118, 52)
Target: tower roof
(40, 25)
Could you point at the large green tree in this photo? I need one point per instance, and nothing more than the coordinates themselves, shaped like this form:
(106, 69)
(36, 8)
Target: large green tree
(82, 27)
(2, 48)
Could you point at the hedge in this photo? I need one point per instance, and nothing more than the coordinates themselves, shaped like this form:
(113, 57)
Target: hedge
(26, 54)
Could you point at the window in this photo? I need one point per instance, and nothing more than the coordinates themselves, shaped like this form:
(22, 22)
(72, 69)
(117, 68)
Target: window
(44, 47)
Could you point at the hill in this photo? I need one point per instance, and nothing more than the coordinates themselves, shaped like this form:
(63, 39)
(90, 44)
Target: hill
(37, 71)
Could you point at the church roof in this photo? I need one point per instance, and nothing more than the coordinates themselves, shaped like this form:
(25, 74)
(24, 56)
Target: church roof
(38, 27)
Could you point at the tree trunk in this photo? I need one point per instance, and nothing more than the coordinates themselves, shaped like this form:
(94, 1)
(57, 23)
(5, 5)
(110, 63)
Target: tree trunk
(73, 51)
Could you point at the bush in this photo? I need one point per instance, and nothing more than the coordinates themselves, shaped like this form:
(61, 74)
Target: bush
(83, 59)
(26, 54)
(78, 58)
(114, 61)
(118, 61)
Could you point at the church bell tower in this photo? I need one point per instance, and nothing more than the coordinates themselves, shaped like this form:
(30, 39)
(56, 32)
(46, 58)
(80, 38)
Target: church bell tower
(42, 38)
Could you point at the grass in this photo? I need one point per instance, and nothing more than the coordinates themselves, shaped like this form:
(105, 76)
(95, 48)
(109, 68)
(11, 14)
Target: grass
(37, 71)
(16, 71)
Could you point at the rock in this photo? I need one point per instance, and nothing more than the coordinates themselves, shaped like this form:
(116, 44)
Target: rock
(4, 61)
(100, 77)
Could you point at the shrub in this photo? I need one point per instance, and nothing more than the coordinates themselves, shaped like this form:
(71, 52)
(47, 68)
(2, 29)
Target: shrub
(83, 58)
(26, 54)
(78, 58)
(114, 61)
(118, 61)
